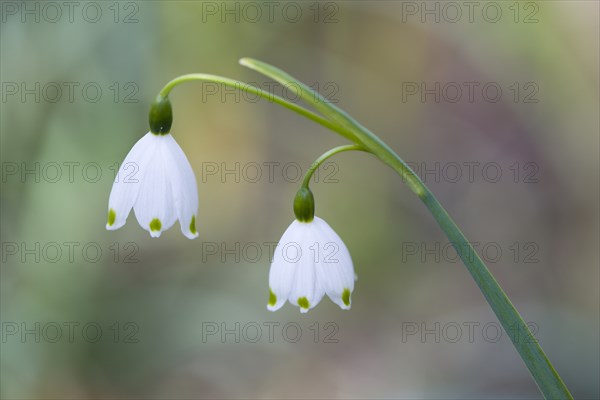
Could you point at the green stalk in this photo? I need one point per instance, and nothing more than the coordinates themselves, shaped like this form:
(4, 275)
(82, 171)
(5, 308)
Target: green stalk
(317, 163)
(343, 122)
(245, 87)
(541, 369)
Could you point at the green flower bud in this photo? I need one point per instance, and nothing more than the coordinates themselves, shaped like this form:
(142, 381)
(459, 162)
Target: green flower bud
(161, 116)
(304, 205)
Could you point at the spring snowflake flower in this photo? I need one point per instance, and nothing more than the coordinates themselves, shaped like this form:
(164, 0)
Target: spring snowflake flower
(157, 181)
(310, 261)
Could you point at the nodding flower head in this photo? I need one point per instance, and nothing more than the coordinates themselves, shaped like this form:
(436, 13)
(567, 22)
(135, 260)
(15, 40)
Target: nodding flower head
(157, 181)
(310, 261)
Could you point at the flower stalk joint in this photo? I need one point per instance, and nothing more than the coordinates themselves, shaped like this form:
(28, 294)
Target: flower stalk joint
(304, 205)
(161, 115)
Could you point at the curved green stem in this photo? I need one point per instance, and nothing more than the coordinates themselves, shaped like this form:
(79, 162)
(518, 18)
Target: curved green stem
(342, 122)
(542, 370)
(244, 87)
(317, 163)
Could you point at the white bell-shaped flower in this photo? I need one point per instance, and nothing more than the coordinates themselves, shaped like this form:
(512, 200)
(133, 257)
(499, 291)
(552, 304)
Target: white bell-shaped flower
(310, 261)
(157, 181)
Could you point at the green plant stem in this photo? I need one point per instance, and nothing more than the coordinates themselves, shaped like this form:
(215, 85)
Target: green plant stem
(544, 374)
(546, 377)
(317, 163)
(342, 122)
(244, 87)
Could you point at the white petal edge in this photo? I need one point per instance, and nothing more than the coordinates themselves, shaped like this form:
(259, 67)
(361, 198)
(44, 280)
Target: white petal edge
(127, 183)
(335, 272)
(184, 187)
(282, 271)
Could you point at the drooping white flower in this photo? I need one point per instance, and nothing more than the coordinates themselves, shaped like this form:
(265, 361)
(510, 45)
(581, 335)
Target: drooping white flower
(310, 261)
(157, 181)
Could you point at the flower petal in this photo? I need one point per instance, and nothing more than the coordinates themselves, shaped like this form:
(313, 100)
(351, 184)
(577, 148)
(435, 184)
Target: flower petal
(128, 181)
(335, 271)
(282, 272)
(154, 207)
(184, 187)
(306, 291)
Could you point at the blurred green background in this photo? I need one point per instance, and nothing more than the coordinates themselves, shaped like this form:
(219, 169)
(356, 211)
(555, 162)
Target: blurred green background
(88, 313)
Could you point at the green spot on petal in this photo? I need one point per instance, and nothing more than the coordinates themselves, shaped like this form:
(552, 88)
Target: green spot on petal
(193, 225)
(346, 297)
(112, 216)
(155, 225)
(272, 298)
(303, 303)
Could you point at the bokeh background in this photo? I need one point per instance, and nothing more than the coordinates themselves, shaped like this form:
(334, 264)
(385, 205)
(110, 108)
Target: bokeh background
(88, 313)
